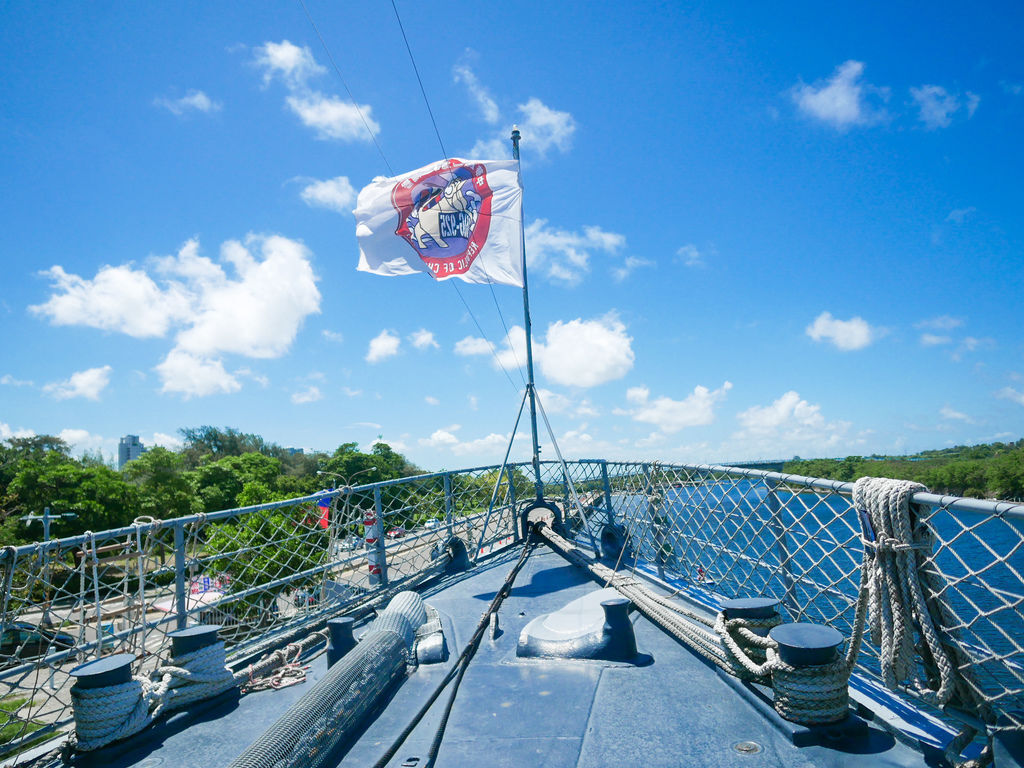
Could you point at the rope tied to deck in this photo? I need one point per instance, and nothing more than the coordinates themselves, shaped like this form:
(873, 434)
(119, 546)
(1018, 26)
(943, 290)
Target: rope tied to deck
(110, 713)
(904, 595)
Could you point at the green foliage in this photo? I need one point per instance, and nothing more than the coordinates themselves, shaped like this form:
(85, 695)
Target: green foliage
(992, 470)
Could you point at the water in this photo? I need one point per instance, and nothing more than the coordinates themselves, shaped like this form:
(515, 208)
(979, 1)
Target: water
(738, 539)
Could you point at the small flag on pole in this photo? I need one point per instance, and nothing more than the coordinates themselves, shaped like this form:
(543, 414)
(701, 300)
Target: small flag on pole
(453, 218)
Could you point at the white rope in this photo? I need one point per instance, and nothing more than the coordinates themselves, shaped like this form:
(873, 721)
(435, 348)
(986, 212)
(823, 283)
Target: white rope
(904, 595)
(105, 715)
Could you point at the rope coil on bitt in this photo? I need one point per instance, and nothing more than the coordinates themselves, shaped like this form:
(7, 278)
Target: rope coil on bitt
(110, 704)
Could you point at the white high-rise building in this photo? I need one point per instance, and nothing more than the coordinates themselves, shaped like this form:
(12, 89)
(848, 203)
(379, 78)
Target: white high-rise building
(129, 449)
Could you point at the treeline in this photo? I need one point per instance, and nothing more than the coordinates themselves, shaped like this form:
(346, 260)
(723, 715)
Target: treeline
(214, 469)
(989, 471)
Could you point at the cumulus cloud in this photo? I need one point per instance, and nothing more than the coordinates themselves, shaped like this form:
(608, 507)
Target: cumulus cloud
(936, 106)
(334, 336)
(256, 312)
(309, 395)
(947, 412)
(1011, 394)
(788, 425)
(544, 128)
(565, 255)
(88, 384)
(431, 400)
(934, 340)
(335, 194)
(843, 100)
(9, 381)
(382, 346)
(846, 335)
(193, 101)
(631, 264)
(487, 106)
(577, 353)
(81, 440)
(554, 402)
(329, 116)
(189, 375)
(690, 256)
(6, 433)
(695, 410)
(423, 339)
(482, 447)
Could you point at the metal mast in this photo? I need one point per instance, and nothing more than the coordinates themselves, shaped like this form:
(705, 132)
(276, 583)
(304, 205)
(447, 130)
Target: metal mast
(538, 484)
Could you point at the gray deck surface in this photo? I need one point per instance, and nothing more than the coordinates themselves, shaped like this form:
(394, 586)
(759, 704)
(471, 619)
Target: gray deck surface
(677, 711)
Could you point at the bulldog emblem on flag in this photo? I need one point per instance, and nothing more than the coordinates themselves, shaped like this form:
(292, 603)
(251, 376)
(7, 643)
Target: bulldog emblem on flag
(444, 214)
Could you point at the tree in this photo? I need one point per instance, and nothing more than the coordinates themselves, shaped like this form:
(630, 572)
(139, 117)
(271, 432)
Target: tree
(164, 489)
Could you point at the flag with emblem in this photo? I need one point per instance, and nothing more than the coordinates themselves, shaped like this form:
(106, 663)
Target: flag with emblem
(453, 218)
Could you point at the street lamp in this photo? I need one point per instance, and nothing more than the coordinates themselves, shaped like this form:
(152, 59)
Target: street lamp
(47, 518)
(346, 481)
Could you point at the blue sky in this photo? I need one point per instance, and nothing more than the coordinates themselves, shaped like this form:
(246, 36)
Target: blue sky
(752, 231)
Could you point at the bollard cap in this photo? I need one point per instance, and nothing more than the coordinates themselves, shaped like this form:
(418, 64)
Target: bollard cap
(100, 673)
(750, 607)
(191, 639)
(803, 644)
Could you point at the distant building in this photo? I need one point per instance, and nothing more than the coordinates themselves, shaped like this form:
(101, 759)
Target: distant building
(294, 451)
(129, 449)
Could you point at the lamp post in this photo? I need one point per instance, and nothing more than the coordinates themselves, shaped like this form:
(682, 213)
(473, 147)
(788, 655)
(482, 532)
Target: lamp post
(47, 518)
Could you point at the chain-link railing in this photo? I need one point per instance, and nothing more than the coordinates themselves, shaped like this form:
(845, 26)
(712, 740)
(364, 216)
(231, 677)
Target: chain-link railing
(745, 533)
(275, 567)
(255, 571)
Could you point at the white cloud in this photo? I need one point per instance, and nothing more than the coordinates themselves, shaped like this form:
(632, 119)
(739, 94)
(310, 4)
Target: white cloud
(81, 440)
(332, 336)
(971, 344)
(960, 215)
(260, 313)
(934, 340)
(444, 437)
(690, 256)
(423, 339)
(309, 395)
(1011, 394)
(190, 375)
(487, 106)
(330, 116)
(586, 353)
(170, 442)
(473, 345)
(294, 65)
(352, 392)
(846, 335)
(336, 194)
(564, 255)
(193, 101)
(474, 402)
(973, 100)
(553, 402)
(1014, 89)
(577, 353)
(695, 410)
(334, 118)
(947, 412)
(841, 101)
(382, 346)
(9, 381)
(255, 313)
(543, 128)
(88, 384)
(940, 323)
(117, 299)
(631, 264)
(788, 425)
(936, 106)
(6, 433)
(431, 400)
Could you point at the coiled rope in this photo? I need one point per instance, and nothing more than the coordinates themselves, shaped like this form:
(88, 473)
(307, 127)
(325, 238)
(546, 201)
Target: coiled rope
(110, 713)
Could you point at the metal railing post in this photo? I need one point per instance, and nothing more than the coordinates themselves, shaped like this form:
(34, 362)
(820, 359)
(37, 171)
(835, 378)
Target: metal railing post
(774, 508)
(607, 493)
(382, 553)
(449, 504)
(180, 606)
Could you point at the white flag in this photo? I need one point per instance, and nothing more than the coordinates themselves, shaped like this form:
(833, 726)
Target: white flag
(453, 218)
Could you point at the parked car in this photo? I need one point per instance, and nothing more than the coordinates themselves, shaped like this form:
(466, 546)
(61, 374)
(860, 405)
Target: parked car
(306, 599)
(396, 533)
(23, 641)
(432, 523)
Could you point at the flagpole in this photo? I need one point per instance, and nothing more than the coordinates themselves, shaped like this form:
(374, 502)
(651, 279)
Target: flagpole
(538, 484)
